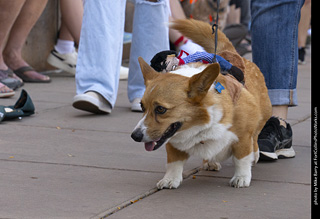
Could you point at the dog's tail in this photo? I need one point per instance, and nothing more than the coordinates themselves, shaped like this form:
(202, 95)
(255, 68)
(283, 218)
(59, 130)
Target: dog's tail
(201, 33)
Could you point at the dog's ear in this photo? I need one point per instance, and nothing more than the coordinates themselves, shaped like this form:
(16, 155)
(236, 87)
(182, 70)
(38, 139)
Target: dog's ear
(147, 71)
(199, 84)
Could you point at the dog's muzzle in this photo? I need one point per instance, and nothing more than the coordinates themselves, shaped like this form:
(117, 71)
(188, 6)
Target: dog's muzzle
(138, 136)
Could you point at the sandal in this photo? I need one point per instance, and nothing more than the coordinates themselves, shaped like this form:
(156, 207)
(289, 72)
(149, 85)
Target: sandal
(8, 78)
(5, 91)
(20, 73)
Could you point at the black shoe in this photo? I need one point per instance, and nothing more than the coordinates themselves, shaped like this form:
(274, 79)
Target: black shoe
(275, 141)
(302, 54)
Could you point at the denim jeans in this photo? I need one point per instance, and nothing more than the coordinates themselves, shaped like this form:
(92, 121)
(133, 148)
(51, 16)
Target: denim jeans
(150, 35)
(101, 43)
(274, 31)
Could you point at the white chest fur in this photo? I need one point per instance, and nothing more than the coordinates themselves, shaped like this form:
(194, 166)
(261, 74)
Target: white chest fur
(211, 141)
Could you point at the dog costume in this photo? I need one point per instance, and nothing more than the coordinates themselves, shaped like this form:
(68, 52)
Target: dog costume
(168, 60)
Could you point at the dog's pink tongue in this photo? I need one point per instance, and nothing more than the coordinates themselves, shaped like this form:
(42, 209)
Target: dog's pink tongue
(149, 145)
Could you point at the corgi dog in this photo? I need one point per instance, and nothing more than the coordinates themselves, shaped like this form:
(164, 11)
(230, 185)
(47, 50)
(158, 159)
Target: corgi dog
(186, 111)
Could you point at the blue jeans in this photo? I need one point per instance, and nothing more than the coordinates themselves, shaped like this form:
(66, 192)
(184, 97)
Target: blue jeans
(101, 42)
(150, 35)
(274, 31)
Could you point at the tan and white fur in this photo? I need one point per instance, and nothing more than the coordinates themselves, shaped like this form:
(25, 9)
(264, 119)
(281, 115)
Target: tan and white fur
(183, 110)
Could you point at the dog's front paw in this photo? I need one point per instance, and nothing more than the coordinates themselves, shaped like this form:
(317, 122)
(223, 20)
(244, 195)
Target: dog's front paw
(240, 181)
(173, 177)
(169, 183)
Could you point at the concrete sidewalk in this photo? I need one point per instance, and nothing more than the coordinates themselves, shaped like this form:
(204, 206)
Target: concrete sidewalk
(64, 163)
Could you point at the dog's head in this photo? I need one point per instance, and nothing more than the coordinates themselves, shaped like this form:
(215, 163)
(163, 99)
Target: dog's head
(172, 103)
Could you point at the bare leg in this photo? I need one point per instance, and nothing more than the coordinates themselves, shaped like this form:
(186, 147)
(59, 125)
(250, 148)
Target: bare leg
(28, 16)
(72, 12)
(281, 112)
(9, 11)
(174, 35)
(64, 33)
(185, 44)
(304, 24)
(176, 13)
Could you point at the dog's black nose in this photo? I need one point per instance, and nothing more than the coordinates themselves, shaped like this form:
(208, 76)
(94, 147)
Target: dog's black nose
(137, 135)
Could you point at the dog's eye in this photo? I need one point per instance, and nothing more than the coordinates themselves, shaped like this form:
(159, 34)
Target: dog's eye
(160, 110)
(142, 107)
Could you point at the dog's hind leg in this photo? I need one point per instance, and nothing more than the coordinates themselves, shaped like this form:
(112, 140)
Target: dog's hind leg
(256, 149)
(214, 164)
(211, 165)
(175, 161)
(243, 157)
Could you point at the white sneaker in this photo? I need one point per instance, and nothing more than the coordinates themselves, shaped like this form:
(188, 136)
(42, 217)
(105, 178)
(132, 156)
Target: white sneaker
(66, 62)
(136, 106)
(92, 102)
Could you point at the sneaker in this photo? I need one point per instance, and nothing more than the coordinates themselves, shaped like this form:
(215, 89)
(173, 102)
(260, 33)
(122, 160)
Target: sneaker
(275, 141)
(302, 54)
(92, 102)
(136, 105)
(66, 62)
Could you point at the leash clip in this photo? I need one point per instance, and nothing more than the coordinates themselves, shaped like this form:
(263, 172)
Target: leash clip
(214, 26)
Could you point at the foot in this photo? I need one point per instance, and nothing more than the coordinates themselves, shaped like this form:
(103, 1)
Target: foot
(275, 141)
(10, 79)
(242, 175)
(136, 106)
(66, 62)
(15, 62)
(92, 102)
(173, 176)
(5, 91)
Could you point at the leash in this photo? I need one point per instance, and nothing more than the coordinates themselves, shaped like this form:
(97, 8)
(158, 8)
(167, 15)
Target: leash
(215, 27)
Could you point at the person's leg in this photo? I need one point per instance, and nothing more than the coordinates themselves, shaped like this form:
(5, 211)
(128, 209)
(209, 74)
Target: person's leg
(64, 33)
(65, 42)
(304, 25)
(149, 36)
(9, 11)
(236, 33)
(245, 14)
(181, 42)
(64, 56)
(274, 47)
(71, 15)
(23, 24)
(176, 13)
(274, 31)
(100, 49)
